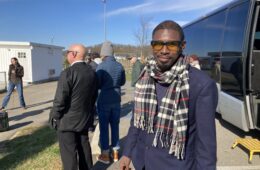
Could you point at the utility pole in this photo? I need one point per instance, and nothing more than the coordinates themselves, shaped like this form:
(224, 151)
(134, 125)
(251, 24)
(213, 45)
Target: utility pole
(52, 40)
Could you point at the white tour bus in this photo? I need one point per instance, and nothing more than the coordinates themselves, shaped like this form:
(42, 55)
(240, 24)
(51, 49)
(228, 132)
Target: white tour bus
(227, 42)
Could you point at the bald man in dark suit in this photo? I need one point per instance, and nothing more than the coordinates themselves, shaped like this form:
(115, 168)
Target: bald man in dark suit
(72, 110)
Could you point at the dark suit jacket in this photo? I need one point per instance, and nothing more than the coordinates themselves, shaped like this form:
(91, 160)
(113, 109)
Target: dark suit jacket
(75, 97)
(201, 136)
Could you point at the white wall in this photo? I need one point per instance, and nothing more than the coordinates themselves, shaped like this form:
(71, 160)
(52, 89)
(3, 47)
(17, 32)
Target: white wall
(7, 52)
(45, 59)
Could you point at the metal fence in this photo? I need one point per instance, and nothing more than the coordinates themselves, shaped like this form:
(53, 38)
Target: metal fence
(3, 81)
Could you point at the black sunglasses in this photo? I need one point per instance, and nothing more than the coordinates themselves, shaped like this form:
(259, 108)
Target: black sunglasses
(171, 45)
(69, 51)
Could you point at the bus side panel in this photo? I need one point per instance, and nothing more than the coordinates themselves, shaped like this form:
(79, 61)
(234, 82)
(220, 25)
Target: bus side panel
(235, 114)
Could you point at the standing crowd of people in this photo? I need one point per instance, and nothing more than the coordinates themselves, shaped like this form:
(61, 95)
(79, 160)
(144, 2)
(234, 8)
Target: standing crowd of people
(83, 89)
(172, 125)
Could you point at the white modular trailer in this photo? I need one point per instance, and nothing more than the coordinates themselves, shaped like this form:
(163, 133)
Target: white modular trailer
(40, 61)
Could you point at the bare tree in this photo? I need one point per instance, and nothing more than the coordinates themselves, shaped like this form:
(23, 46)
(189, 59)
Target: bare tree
(142, 36)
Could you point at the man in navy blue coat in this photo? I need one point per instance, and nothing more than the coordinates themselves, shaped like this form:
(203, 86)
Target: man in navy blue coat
(173, 122)
(111, 76)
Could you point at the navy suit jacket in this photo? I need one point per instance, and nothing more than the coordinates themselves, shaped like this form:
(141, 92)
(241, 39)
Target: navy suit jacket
(200, 149)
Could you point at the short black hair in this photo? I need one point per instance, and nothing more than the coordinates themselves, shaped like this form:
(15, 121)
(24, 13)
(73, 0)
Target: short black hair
(169, 25)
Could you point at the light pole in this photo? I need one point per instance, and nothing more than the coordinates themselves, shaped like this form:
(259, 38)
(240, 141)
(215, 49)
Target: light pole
(52, 40)
(105, 31)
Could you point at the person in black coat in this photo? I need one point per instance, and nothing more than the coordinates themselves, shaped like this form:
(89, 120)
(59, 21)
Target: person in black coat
(72, 110)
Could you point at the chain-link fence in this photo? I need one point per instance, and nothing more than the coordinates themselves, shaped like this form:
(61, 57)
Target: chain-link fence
(3, 81)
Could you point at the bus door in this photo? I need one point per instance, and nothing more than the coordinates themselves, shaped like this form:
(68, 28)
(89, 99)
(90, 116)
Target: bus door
(254, 71)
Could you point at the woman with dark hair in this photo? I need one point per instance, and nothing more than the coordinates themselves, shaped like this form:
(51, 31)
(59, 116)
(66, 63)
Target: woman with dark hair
(15, 75)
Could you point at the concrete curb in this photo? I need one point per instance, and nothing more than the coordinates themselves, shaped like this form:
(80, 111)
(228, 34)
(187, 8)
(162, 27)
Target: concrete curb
(94, 142)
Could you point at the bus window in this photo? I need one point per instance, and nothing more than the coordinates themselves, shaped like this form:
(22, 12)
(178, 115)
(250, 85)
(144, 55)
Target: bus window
(214, 33)
(255, 68)
(231, 60)
(257, 36)
(196, 34)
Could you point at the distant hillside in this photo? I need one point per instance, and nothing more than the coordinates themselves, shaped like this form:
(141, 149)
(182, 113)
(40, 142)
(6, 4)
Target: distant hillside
(123, 50)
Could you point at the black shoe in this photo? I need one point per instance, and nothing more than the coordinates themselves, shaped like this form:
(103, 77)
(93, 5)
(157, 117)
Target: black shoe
(2, 108)
(91, 129)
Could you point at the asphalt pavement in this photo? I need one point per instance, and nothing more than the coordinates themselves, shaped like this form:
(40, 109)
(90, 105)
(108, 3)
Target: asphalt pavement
(39, 98)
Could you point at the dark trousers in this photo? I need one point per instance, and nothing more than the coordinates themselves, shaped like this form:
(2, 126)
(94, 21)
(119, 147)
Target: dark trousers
(75, 145)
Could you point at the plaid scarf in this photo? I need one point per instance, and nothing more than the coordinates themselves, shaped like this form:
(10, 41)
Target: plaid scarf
(170, 124)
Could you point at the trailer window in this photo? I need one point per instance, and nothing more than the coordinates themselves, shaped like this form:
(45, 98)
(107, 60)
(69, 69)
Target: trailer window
(21, 55)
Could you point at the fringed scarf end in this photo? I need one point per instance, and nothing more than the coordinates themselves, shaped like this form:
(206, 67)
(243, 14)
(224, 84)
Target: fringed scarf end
(178, 149)
(163, 138)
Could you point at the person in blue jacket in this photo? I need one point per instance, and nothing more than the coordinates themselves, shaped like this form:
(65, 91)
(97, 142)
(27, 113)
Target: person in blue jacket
(173, 122)
(111, 76)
